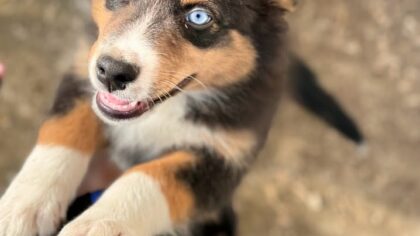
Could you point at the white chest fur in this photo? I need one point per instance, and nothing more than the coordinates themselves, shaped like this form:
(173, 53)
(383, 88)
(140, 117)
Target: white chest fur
(166, 127)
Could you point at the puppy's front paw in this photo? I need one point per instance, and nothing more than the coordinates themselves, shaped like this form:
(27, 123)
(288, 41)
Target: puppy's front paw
(91, 227)
(28, 214)
(37, 200)
(132, 206)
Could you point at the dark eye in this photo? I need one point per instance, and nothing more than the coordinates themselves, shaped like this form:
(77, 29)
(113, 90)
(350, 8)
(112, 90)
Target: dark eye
(199, 18)
(115, 4)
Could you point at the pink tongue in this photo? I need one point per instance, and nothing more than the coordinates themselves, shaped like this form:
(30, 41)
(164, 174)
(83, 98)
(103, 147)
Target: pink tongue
(114, 100)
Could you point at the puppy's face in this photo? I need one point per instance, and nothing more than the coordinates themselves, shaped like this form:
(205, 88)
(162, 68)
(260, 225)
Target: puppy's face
(148, 50)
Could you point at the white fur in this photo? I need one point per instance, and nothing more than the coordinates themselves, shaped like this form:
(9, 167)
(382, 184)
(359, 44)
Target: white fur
(38, 197)
(165, 126)
(133, 46)
(133, 205)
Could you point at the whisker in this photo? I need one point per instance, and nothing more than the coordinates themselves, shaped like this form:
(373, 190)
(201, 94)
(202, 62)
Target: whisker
(174, 85)
(151, 99)
(161, 92)
(174, 74)
(198, 81)
(167, 94)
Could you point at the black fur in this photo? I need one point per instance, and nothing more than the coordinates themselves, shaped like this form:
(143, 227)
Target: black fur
(71, 89)
(223, 225)
(307, 92)
(212, 180)
(250, 104)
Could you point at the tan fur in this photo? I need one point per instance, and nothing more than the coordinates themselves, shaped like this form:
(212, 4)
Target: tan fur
(179, 197)
(100, 14)
(186, 60)
(79, 130)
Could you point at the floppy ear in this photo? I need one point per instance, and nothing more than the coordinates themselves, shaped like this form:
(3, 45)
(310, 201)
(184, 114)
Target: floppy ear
(287, 5)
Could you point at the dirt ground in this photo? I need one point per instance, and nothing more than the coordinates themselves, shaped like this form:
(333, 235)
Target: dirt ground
(309, 181)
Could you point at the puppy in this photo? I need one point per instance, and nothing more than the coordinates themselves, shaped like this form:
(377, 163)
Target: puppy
(180, 93)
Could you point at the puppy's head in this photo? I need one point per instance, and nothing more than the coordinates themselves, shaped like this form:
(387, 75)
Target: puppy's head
(148, 50)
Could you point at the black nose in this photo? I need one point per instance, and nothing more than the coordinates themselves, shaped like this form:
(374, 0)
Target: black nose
(115, 74)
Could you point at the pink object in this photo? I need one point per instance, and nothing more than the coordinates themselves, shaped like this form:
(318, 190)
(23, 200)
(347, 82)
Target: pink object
(2, 70)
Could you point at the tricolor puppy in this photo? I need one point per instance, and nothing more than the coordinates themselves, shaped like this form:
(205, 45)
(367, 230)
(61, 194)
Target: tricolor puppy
(181, 94)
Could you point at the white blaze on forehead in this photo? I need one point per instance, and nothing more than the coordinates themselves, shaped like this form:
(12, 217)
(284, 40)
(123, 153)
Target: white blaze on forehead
(133, 45)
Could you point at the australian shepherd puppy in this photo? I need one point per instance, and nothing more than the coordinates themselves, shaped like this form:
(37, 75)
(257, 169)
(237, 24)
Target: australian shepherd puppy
(181, 93)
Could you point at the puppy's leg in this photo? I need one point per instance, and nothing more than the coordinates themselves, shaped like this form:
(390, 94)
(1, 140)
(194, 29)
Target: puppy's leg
(161, 197)
(38, 197)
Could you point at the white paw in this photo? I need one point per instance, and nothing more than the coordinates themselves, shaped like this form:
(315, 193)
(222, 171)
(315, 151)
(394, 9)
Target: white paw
(27, 215)
(91, 227)
(37, 200)
(132, 206)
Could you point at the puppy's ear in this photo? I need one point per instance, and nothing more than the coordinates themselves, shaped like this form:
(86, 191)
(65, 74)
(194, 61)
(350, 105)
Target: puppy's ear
(287, 5)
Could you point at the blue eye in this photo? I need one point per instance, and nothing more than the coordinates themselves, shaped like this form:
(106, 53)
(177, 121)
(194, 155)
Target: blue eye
(199, 18)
